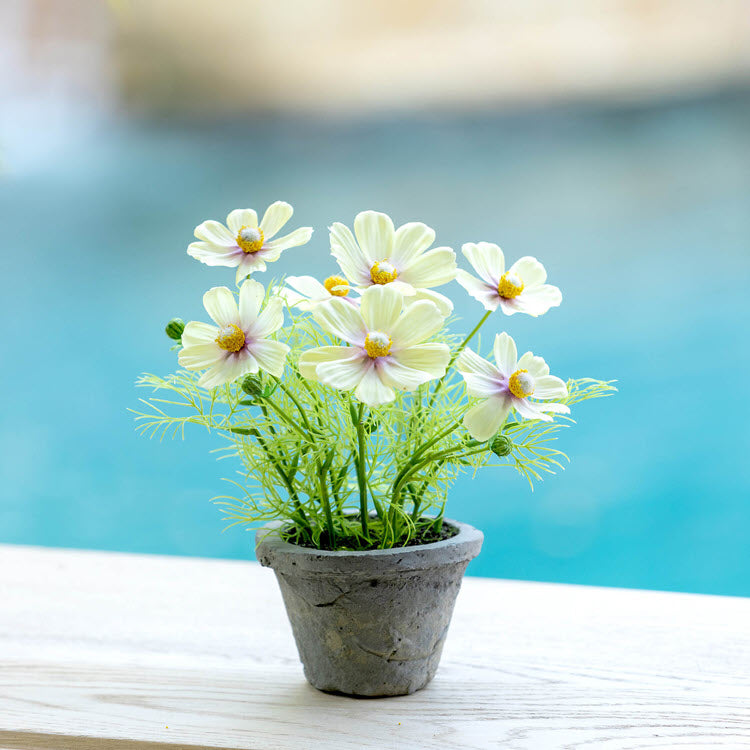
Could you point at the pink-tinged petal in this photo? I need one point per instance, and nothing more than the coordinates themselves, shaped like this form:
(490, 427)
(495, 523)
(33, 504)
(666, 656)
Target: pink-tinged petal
(397, 375)
(269, 320)
(196, 333)
(343, 374)
(241, 217)
(506, 354)
(250, 263)
(380, 307)
(530, 411)
(276, 215)
(417, 323)
(537, 300)
(310, 359)
(252, 295)
(340, 319)
(215, 233)
(483, 386)
(221, 306)
(271, 355)
(436, 267)
(293, 239)
(410, 241)
(536, 366)
(487, 259)
(200, 356)
(548, 386)
(372, 391)
(479, 290)
(485, 418)
(229, 369)
(431, 358)
(374, 232)
(530, 270)
(214, 255)
(349, 255)
(509, 306)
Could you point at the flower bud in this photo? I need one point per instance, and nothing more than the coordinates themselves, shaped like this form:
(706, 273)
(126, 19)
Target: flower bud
(501, 445)
(174, 328)
(251, 384)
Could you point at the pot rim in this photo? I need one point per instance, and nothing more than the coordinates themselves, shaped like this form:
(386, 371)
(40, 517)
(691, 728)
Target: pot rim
(284, 557)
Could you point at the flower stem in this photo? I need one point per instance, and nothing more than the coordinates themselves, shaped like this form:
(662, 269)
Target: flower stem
(361, 478)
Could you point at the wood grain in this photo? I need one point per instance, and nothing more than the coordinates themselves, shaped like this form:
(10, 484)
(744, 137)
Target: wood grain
(135, 652)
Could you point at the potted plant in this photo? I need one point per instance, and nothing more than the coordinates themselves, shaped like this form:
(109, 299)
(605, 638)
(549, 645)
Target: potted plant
(351, 410)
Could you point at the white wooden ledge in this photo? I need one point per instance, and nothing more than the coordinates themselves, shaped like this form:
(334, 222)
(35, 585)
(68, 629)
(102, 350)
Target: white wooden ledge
(103, 651)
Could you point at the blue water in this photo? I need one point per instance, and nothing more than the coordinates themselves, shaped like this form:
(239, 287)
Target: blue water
(641, 215)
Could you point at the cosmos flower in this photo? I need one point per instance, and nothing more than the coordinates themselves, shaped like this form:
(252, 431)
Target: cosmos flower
(243, 242)
(519, 289)
(385, 345)
(508, 386)
(304, 292)
(238, 344)
(399, 258)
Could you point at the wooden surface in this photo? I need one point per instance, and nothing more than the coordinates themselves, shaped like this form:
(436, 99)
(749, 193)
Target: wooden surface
(103, 651)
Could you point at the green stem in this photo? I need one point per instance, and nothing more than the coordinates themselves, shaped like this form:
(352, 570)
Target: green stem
(302, 412)
(324, 498)
(287, 418)
(361, 478)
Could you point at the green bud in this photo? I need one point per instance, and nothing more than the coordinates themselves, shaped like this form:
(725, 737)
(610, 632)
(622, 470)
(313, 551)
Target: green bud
(252, 385)
(501, 445)
(174, 328)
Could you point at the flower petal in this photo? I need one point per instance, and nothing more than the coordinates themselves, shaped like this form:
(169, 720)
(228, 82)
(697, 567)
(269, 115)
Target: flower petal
(484, 419)
(215, 255)
(552, 406)
(410, 241)
(506, 354)
(271, 355)
(374, 232)
(470, 361)
(349, 255)
(309, 286)
(196, 333)
(381, 307)
(418, 322)
(215, 233)
(397, 375)
(310, 359)
(344, 374)
(200, 356)
(536, 300)
(249, 263)
(221, 306)
(487, 259)
(443, 303)
(548, 386)
(431, 358)
(480, 290)
(531, 271)
(229, 369)
(528, 410)
(252, 295)
(241, 217)
(372, 391)
(436, 267)
(536, 366)
(269, 320)
(341, 319)
(293, 239)
(276, 215)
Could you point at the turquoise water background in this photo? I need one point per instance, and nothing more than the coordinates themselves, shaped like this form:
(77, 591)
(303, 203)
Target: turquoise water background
(641, 215)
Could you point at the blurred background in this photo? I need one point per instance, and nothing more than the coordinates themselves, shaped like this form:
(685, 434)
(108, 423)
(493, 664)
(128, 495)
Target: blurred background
(609, 138)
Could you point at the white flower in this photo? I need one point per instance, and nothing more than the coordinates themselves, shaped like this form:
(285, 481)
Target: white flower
(238, 343)
(307, 291)
(519, 289)
(244, 243)
(508, 386)
(385, 346)
(397, 258)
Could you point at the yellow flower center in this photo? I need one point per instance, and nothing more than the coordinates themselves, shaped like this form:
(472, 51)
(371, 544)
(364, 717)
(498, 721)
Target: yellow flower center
(510, 285)
(338, 286)
(250, 239)
(383, 272)
(231, 338)
(378, 344)
(521, 384)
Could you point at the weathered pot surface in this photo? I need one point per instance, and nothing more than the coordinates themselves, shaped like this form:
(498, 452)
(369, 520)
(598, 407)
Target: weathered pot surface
(370, 623)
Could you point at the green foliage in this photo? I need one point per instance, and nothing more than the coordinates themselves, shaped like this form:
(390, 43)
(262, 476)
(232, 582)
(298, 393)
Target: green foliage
(341, 475)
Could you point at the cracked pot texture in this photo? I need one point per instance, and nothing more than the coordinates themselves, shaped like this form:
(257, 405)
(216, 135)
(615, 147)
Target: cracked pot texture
(370, 623)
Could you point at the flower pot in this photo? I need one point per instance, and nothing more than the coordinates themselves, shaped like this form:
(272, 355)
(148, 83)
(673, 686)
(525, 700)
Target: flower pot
(370, 623)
